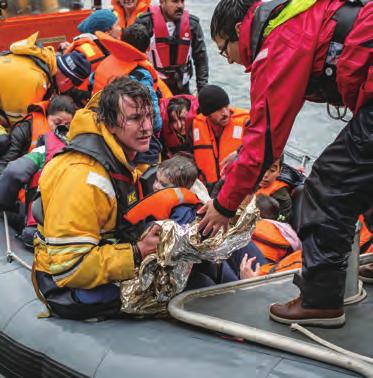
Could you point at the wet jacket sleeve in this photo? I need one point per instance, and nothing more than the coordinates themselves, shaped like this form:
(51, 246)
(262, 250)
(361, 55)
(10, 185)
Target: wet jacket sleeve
(20, 140)
(279, 79)
(199, 53)
(76, 254)
(17, 174)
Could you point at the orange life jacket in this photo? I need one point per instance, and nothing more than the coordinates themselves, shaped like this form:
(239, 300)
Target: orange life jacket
(92, 49)
(273, 188)
(163, 88)
(37, 115)
(159, 205)
(292, 261)
(169, 136)
(366, 237)
(270, 241)
(161, 49)
(123, 60)
(208, 154)
(141, 7)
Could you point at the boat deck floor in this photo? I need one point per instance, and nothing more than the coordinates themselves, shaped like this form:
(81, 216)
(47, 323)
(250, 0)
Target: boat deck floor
(32, 347)
(251, 305)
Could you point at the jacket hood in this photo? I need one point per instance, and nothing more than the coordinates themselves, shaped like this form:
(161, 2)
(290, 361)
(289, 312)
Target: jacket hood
(85, 122)
(29, 46)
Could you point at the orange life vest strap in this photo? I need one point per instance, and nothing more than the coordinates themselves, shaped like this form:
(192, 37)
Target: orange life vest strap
(160, 204)
(39, 122)
(292, 261)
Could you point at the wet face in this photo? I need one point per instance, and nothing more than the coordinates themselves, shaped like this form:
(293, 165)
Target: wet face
(59, 118)
(134, 127)
(221, 117)
(161, 181)
(128, 4)
(271, 175)
(115, 31)
(172, 9)
(178, 121)
(229, 50)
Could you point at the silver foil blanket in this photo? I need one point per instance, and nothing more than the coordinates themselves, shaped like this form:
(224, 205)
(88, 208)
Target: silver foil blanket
(164, 274)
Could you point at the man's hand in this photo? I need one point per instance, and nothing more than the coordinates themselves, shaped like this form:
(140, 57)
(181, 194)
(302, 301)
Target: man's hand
(246, 268)
(149, 243)
(226, 162)
(212, 221)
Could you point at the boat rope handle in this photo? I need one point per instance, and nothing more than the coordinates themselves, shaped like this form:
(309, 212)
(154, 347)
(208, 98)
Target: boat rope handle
(321, 341)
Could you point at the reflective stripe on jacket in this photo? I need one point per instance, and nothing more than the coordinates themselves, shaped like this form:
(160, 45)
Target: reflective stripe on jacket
(208, 152)
(162, 58)
(123, 59)
(160, 204)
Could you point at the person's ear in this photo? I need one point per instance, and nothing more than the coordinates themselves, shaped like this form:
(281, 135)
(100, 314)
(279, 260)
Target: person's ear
(238, 28)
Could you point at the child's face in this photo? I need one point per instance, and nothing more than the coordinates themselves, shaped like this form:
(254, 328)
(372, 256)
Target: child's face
(271, 175)
(161, 181)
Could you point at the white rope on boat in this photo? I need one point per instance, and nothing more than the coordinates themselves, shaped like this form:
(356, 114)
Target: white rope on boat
(10, 255)
(327, 344)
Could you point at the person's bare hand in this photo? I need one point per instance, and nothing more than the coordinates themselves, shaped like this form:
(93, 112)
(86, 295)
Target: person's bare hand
(148, 244)
(212, 220)
(246, 268)
(226, 162)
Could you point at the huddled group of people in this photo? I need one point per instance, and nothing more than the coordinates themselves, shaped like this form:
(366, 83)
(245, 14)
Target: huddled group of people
(85, 131)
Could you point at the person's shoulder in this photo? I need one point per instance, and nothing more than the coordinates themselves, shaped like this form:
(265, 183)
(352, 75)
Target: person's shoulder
(193, 19)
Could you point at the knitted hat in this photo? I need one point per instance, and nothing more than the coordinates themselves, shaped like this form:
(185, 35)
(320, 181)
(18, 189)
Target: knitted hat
(101, 20)
(212, 98)
(74, 66)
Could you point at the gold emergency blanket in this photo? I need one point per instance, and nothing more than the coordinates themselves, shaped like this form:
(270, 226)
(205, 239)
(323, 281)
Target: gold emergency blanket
(164, 274)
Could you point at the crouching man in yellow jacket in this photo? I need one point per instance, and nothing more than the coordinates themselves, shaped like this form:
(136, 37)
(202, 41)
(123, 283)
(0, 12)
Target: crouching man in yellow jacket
(82, 246)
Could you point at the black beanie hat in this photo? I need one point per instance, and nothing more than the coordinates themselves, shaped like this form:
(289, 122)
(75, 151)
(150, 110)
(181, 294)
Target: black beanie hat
(75, 66)
(212, 98)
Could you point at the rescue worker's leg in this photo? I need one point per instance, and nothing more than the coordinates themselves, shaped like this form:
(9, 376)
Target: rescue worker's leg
(339, 188)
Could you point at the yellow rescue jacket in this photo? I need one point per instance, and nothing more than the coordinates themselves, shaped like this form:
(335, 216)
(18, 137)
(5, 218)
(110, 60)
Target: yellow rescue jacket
(80, 212)
(23, 81)
(208, 153)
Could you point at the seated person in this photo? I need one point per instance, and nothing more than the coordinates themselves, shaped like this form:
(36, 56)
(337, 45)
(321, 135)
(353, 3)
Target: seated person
(81, 248)
(24, 172)
(216, 133)
(43, 117)
(181, 172)
(273, 238)
(270, 185)
(177, 115)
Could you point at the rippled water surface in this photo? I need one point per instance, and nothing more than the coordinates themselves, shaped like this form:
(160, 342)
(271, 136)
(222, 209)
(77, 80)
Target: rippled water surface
(313, 129)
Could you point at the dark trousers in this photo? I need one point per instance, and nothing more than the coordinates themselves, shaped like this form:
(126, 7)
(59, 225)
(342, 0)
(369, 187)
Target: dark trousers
(338, 190)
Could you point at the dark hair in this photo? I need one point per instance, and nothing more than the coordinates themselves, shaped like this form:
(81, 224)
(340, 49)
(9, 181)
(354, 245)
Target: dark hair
(108, 106)
(181, 170)
(268, 206)
(61, 104)
(137, 36)
(177, 105)
(226, 15)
